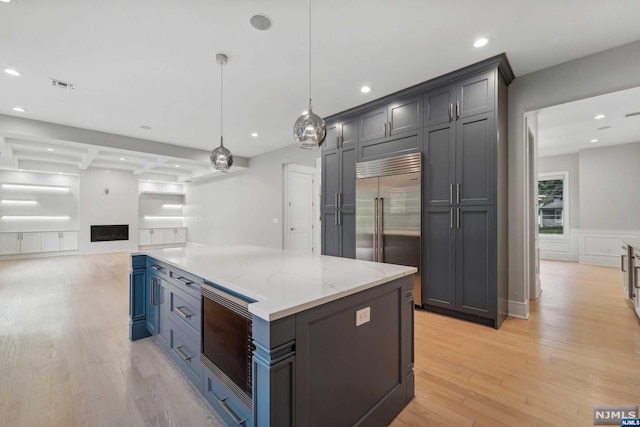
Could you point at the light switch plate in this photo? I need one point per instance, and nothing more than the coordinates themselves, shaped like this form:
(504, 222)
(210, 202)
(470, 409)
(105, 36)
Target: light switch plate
(363, 316)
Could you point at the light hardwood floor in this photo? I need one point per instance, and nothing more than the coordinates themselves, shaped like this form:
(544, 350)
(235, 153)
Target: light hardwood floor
(65, 356)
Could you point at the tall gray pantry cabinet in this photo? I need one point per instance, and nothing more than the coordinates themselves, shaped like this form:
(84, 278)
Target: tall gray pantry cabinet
(459, 123)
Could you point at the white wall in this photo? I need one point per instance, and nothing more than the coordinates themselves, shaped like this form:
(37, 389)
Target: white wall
(608, 71)
(609, 184)
(120, 206)
(240, 207)
(49, 203)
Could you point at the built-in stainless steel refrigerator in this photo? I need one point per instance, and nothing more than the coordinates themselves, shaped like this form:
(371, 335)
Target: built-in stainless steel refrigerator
(388, 213)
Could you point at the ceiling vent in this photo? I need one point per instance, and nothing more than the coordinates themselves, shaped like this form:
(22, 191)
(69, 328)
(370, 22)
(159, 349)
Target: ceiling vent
(637, 113)
(604, 128)
(62, 85)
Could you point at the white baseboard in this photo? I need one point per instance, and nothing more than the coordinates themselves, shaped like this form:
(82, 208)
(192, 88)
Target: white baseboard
(519, 309)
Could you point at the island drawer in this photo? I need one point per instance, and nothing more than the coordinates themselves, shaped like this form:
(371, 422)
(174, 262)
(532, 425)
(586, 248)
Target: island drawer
(180, 278)
(184, 349)
(184, 309)
(226, 404)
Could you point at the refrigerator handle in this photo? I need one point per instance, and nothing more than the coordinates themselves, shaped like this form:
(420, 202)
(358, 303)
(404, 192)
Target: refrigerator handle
(381, 230)
(375, 230)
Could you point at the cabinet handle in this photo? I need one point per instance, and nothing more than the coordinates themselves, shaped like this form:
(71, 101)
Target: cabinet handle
(450, 112)
(183, 354)
(152, 291)
(451, 218)
(458, 193)
(622, 257)
(339, 200)
(635, 279)
(335, 218)
(389, 128)
(183, 313)
(451, 194)
(184, 281)
(457, 109)
(384, 128)
(339, 215)
(335, 200)
(341, 140)
(337, 141)
(236, 419)
(458, 218)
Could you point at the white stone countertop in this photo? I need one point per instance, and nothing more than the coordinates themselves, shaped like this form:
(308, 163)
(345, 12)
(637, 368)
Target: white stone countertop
(281, 282)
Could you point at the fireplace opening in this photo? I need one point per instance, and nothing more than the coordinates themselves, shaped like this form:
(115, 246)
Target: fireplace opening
(108, 233)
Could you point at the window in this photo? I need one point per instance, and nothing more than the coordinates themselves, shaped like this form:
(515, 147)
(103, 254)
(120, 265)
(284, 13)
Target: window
(553, 208)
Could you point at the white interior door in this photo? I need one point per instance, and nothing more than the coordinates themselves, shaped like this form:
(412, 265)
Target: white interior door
(299, 208)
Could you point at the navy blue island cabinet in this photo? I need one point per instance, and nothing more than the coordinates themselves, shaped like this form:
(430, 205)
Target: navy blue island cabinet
(340, 361)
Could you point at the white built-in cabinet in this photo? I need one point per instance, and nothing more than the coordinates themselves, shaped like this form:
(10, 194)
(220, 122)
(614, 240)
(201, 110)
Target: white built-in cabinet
(36, 242)
(162, 236)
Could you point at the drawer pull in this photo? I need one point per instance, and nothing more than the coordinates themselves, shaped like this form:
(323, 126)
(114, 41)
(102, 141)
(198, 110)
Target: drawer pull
(183, 313)
(182, 354)
(157, 267)
(184, 281)
(239, 421)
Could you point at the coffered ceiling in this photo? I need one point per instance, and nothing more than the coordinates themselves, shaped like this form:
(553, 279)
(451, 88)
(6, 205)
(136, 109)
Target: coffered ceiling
(152, 62)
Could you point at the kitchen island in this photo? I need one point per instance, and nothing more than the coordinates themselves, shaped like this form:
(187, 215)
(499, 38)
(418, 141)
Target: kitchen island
(279, 338)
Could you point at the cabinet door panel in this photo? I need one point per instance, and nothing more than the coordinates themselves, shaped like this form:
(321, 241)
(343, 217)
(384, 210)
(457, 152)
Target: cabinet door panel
(51, 241)
(348, 234)
(331, 141)
(438, 105)
(400, 144)
(476, 261)
(438, 273)
(404, 116)
(330, 178)
(475, 155)
(144, 237)
(373, 124)
(168, 235)
(69, 240)
(330, 238)
(348, 177)
(157, 236)
(439, 159)
(181, 235)
(476, 94)
(349, 131)
(9, 243)
(31, 243)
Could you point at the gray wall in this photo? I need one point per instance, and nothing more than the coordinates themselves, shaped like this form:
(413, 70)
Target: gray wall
(609, 181)
(566, 163)
(608, 71)
(240, 207)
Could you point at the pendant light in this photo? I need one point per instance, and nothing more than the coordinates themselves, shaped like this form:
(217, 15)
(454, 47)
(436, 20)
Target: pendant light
(221, 157)
(309, 130)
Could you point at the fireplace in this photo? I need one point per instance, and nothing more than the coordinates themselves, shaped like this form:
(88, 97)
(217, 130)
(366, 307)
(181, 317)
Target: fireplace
(107, 233)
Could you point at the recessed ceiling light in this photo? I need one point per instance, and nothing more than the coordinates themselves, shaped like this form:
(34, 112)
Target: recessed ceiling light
(11, 71)
(177, 166)
(19, 109)
(594, 140)
(6, 1)
(260, 22)
(122, 158)
(599, 116)
(255, 135)
(365, 89)
(480, 42)
(145, 127)
(49, 149)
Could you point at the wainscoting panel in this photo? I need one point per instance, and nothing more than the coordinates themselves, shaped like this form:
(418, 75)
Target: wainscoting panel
(602, 247)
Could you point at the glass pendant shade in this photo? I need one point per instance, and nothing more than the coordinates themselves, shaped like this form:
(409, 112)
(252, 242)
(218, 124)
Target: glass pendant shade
(221, 158)
(309, 130)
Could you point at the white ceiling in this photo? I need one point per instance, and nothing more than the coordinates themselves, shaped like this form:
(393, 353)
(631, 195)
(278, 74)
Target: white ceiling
(152, 62)
(569, 128)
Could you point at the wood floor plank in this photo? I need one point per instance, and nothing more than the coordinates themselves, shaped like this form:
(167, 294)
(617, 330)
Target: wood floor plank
(65, 356)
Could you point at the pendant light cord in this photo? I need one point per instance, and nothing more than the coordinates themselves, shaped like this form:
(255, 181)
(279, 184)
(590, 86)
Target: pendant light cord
(221, 100)
(309, 54)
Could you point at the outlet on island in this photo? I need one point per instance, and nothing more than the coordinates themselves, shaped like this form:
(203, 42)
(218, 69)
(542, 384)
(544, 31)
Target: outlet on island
(363, 316)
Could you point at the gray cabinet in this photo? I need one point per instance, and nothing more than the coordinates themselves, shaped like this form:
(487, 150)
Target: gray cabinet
(339, 191)
(459, 123)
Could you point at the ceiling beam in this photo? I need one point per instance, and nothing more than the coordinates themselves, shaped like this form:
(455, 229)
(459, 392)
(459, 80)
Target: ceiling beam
(88, 158)
(150, 166)
(35, 130)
